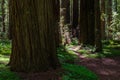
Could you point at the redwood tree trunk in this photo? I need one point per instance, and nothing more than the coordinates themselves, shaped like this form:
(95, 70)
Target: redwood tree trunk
(33, 35)
(75, 14)
(109, 12)
(103, 19)
(83, 22)
(87, 33)
(3, 15)
(98, 42)
(90, 28)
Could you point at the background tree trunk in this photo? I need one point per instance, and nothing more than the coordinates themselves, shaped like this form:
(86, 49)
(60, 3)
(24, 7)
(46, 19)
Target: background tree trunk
(87, 28)
(3, 15)
(75, 14)
(98, 42)
(102, 19)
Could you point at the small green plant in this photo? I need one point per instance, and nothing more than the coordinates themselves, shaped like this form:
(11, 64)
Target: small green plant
(5, 47)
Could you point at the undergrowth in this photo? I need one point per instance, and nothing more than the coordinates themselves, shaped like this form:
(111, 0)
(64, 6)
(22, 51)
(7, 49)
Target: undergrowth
(5, 51)
(73, 71)
(110, 49)
(6, 74)
(5, 47)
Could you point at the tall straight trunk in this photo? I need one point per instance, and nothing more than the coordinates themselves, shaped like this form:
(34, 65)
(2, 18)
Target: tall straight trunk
(3, 15)
(75, 14)
(65, 4)
(91, 22)
(102, 18)
(68, 12)
(109, 12)
(33, 35)
(58, 36)
(87, 34)
(71, 11)
(83, 22)
(98, 42)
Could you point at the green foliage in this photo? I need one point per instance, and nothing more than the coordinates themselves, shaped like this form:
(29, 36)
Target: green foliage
(6, 74)
(110, 49)
(66, 56)
(114, 28)
(5, 47)
(75, 72)
(74, 41)
(118, 6)
(5, 50)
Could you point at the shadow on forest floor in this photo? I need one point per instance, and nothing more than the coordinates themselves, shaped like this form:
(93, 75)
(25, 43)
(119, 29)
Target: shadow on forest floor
(78, 64)
(106, 64)
(105, 68)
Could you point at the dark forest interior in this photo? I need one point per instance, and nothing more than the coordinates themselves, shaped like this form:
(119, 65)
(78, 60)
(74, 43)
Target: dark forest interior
(59, 39)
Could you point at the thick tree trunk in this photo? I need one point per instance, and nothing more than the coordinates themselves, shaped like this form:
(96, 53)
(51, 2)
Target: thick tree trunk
(87, 34)
(91, 22)
(33, 35)
(98, 42)
(75, 14)
(83, 22)
(90, 28)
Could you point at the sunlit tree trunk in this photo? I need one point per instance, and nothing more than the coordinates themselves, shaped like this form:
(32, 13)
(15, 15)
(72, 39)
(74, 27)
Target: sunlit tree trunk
(102, 18)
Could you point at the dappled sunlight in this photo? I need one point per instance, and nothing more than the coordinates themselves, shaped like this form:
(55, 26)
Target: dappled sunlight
(60, 40)
(4, 59)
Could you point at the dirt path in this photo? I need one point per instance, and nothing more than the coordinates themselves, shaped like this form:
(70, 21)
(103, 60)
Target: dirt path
(49, 75)
(105, 68)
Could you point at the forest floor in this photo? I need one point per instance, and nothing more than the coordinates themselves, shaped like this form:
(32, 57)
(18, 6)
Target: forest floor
(49, 75)
(106, 68)
(77, 63)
